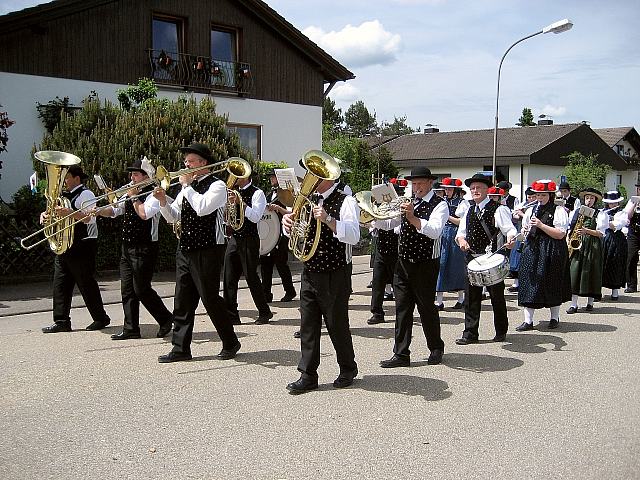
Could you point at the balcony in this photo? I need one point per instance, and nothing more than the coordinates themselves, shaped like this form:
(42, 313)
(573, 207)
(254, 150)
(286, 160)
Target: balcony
(195, 72)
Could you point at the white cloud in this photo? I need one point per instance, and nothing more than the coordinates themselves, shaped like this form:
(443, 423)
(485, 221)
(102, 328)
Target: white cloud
(553, 111)
(345, 93)
(366, 44)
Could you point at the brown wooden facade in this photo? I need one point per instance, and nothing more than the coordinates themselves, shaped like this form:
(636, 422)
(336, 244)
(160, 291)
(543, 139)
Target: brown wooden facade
(107, 41)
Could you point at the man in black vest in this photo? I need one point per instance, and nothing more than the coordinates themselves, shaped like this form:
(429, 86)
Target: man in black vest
(279, 256)
(198, 207)
(416, 273)
(78, 264)
(243, 254)
(477, 233)
(570, 202)
(509, 200)
(139, 253)
(325, 287)
(633, 243)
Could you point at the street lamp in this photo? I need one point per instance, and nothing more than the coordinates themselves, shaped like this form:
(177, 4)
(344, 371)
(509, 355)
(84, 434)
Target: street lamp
(556, 27)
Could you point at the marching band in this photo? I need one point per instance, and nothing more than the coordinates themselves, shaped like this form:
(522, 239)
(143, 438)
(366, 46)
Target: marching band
(428, 243)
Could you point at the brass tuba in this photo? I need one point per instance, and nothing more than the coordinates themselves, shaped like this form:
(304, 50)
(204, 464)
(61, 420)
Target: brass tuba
(303, 238)
(58, 232)
(234, 212)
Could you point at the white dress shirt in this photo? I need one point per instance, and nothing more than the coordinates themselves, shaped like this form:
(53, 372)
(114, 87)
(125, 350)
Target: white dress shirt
(87, 198)
(560, 218)
(348, 227)
(502, 220)
(602, 220)
(204, 204)
(258, 204)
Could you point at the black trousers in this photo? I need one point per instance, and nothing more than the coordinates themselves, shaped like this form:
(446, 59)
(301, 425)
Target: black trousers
(77, 266)
(137, 264)
(633, 245)
(242, 257)
(415, 284)
(473, 305)
(279, 257)
(383, 270)
(198, 277)
(325, 295)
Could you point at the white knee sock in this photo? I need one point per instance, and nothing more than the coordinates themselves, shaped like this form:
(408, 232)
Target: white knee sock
(388, 288)
(589, 300)
(516, 282)
(461, 296)
(439, 298)
(528, 315)
(574, 301)
(555, 312)
(615, 292)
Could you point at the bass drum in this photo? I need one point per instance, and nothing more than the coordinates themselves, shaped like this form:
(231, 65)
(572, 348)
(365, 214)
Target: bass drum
(269, 231)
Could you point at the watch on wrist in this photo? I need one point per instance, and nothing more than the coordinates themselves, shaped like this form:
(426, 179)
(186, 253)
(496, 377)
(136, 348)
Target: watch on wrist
(328, 219)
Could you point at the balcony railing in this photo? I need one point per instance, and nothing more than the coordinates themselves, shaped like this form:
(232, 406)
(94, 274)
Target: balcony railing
(198, 72)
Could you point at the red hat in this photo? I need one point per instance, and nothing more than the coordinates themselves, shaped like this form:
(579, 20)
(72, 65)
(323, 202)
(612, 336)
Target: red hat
(495, 191)
(544, 186)
(451, 182)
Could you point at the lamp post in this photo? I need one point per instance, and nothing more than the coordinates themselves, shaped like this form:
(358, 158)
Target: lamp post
(556, 27)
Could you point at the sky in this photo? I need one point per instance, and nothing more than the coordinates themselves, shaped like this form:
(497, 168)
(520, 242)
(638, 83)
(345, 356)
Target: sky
(436, 61)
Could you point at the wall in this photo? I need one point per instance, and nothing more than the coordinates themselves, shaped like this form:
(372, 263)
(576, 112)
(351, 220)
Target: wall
(288, 130)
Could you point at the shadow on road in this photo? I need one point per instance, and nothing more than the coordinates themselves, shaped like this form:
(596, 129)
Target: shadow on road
(533, 343)
(430, 389)
(480, 363)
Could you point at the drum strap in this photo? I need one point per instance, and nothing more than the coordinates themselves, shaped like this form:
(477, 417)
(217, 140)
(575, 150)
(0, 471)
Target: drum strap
(486, 230)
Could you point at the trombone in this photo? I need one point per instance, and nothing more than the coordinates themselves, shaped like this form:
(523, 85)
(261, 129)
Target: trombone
(162, 179)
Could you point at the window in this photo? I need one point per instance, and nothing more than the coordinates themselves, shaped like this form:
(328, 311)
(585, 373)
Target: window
(618, 180)
(502, 172)
(249, 137)
(224, 55)
(166, 47)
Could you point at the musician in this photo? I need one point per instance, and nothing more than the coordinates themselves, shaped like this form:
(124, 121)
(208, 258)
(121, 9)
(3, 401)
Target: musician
(615, 245)
(508, 199)
(438, 189)
(452, 274)
(279, 256)
(77, 266)
(325, 287)
(586, 263)
(198, 207)
(477, 234)
(571, 203)
(633, 243)
(544, 265)
(518, 214)
(243, 254)
(416, 274)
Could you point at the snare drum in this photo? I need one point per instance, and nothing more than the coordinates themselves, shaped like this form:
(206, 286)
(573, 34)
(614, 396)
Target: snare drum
(488, 269)
(268, 231)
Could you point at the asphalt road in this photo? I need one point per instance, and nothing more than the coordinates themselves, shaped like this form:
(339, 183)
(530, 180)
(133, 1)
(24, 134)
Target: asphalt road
(544, 404)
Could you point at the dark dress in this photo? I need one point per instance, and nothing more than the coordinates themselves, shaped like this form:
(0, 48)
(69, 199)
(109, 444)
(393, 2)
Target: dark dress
(544, 267)
(586, 263)
(615, 256)
(453, 265)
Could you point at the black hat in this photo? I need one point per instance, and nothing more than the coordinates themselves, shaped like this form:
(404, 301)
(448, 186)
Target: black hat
(612, 196)
(136, 167)
(420, 172)
(76, 171)
(529, 191)
(271, 171)
(437, 186)
(504, 185)
(479, 177)
(199, 149)
(590, 191)
(564, 185)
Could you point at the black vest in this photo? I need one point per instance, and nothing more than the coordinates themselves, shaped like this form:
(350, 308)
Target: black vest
(634, 223)
(248, 229)
(134, 229)
(476, 235)
(545, 214)
(331, 253)
(570, 202)
(510, 202)
(413, 245)
(387, 242)
(198, 231)
(80, 228)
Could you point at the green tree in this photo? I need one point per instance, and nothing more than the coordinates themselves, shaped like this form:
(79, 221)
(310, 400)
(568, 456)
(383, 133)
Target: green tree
(52, 111)
(359, 122)
(135, 95)
(584, 171)
(397, 127)
(526, 119)
(332, 116)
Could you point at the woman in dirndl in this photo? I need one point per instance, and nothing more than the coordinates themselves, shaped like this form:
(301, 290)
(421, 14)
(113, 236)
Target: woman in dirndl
(614, 245)
(453, 266)
(544, 264)
(586, 262)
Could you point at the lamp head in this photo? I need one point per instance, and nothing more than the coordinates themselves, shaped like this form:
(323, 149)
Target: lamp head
(559, 26)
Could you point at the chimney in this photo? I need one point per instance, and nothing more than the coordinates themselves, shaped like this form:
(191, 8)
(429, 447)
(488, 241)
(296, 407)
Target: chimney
(431, 130)
(545, 121)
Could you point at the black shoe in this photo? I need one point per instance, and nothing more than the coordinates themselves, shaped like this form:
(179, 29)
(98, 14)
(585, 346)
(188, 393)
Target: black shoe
(589, 308)
(435, 357)
(614, 299)
(553, 323)
(98, 325)
(466, 341)
(395, 361)
(302, 386)
(388, 297)
(174, 357)
(440, 307)
(513, 289)
(375, 319)
(458, 306)
(164, 330)
(345, 380)
(57, 328)
(500, 338)
(370, 284)
(288, 297)
(572, 310)
(524, 326)
(630, 290)
(263, 319)
(229, 354)
(268, 297)
(236, 321)
(125, 335)
(296, 334)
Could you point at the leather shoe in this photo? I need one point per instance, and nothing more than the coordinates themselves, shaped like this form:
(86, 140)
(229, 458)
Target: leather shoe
(296, 334)
(344, 380)
(458, 306)
(164, 330)
(466, 341)
(513, 289)
(500, 338)
(229, 354)
(174, 357)
(370, 284)
(440, 307)
(524, 326)
(288, 297)
(375, 319)
(435, 357)
(57, 328)
(262, 320)
(630, 290)
(301, 386)
(395, 361)
(125, 335)
(97, 325)
(553, 323)
(572, 310)
(388, 297)
(589, 308)
(268, 297)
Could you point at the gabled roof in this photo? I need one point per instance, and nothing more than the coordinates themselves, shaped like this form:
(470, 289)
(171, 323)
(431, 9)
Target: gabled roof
(333, 70)
(613, 135)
